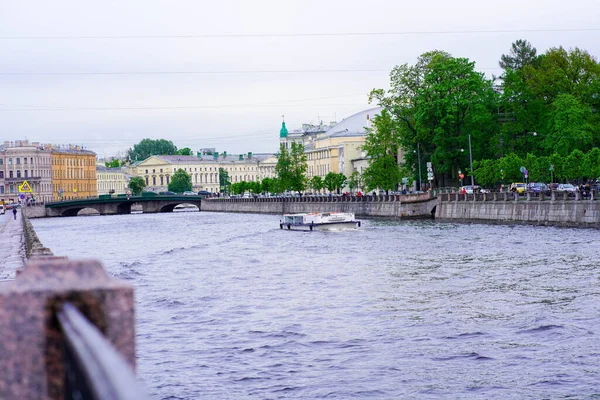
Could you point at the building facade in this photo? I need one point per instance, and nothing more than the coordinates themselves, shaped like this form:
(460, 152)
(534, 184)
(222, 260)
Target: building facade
(111, 180)
(337, 149)
(22, 161)
(204, 169)
(73, 173)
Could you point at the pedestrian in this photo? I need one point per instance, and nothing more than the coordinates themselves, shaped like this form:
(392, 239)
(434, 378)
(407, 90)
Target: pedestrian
(15, 213)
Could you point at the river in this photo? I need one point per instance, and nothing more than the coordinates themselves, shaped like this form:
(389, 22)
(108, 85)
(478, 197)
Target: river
(229, 306)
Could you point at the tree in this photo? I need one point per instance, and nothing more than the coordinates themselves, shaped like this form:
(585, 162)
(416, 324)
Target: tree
(406, 81)
(334, 181)
(224, 181)
(381, 145)
(457, 105)
(137, 184)
(267, 185)
(186, 151)
(521, 53)
(291, 168)
(316, 183)
(180, 182)
(568, 126)
(115, 163)
(149, 147)
(355, 181)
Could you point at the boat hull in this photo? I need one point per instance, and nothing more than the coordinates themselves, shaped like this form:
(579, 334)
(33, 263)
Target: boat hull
(331, 226)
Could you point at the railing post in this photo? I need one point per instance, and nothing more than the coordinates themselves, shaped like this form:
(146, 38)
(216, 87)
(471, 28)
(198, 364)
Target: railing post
(32, 361)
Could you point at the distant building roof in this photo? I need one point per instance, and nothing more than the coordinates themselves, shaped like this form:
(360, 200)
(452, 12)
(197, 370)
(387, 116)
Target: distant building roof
(100, 168)
(354, 125)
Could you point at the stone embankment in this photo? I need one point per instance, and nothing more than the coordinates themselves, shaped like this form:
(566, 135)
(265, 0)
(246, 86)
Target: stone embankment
(510, 208)
(392, 206)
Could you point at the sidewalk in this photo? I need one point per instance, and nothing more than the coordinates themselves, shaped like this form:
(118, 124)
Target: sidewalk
(12, 247)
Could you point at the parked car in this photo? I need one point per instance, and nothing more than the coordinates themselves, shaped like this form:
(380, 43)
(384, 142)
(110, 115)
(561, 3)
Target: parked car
(203, 193)
(535, 188)
(189, 193)
(518, 187)
(167, 193)
(470, 189)
(553, 186)
(567, 187)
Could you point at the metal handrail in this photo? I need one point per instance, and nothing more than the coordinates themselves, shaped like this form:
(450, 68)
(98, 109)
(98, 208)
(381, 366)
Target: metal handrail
(94, 370)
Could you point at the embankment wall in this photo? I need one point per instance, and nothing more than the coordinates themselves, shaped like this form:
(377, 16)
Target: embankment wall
(416, 206)
(570, 212)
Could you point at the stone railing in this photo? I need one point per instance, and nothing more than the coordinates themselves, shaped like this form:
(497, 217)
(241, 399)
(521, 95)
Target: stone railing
(33, 245)
(513, 196)
(405, 198)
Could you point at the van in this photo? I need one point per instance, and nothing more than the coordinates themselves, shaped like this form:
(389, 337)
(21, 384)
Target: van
(2, 209)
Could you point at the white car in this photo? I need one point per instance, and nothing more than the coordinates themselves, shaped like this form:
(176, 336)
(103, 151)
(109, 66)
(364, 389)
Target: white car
(189, 193)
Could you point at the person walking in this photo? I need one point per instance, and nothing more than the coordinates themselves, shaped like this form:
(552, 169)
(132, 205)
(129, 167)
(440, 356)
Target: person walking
(15, 213)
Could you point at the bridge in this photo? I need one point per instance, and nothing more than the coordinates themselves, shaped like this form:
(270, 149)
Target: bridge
(120, 205)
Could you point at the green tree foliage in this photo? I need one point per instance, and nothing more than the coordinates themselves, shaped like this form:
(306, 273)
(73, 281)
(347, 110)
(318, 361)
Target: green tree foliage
(224, 181)
(149, 147)
(355, 181)
(521, 53)
(334, 181)
(291, 168)
(555, 95)
(268, 185)
(381, 145)
(316, 183)
(456, 101)
(137, 184)
(239, 187)
(113, 164)
(186, 151)
(576, 167)
(180, 182)
(569, 126)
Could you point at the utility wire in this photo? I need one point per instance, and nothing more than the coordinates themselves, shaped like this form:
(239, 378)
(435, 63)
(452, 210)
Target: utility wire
(298, 71)
(284, 35)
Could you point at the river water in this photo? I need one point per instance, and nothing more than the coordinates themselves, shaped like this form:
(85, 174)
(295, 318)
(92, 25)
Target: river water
(231, 307)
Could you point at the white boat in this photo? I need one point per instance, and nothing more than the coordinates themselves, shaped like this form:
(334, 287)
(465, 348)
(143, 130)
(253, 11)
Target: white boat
(319, 221)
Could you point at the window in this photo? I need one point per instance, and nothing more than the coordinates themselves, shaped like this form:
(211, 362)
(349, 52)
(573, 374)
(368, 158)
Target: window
(10, 161)
(146, 171)
(18, 161)
(25, 160)
(10, 174)
(1, 161)
(25, 173)
(31, 160)
(1, 174)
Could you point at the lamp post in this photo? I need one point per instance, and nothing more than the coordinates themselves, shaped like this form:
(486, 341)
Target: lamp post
(419, 161)
(471, 163)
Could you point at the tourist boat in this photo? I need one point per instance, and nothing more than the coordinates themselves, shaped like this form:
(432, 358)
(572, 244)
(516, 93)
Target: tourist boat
(319, 221)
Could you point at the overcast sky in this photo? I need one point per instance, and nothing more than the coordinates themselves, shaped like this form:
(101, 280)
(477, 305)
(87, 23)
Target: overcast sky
(107, 74)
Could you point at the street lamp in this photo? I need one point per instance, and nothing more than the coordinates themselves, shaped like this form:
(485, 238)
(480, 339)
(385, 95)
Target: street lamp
(471, 162)
(419, 161)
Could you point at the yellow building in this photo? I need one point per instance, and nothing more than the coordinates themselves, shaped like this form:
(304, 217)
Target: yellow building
(73, 173)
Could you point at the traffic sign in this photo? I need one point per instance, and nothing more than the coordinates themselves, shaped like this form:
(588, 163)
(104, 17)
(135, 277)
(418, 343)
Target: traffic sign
(25, 188)
(461, 176)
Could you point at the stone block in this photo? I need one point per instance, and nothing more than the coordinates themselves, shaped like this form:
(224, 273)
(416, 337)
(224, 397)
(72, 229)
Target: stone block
(32, 361)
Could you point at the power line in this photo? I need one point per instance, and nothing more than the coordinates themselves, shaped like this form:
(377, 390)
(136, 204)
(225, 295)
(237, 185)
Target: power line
(298, 71)
(285, 35)
(154, 108)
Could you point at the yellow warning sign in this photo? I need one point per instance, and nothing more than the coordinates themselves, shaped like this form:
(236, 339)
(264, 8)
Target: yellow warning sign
(25, 188)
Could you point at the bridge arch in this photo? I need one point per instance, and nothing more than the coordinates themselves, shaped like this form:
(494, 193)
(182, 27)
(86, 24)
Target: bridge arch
(74, 211)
